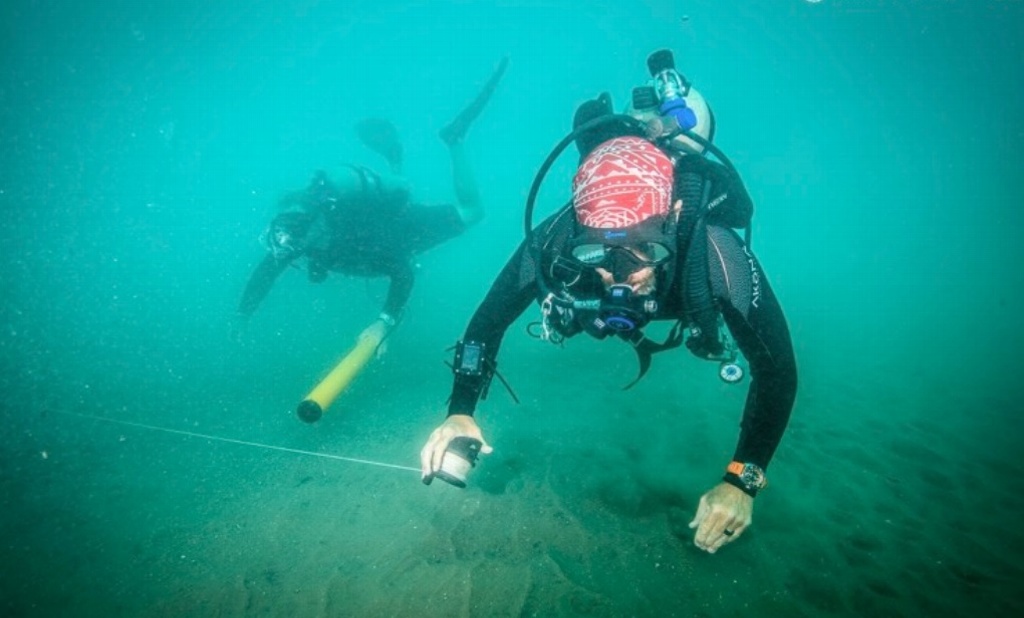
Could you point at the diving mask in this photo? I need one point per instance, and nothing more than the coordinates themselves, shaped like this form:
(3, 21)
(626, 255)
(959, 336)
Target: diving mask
(285, 238)
(621, 252)
(625, 250)
(281, 243)
(620, 261)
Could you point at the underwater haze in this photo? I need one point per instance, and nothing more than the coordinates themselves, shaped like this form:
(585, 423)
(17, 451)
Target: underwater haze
(152, 466)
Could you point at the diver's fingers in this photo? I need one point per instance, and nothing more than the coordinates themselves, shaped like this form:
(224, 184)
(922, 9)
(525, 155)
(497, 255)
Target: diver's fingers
(425, 469)
(433, 451)
(702, 512)
(439, 447)
(710, 535)
(725, 532)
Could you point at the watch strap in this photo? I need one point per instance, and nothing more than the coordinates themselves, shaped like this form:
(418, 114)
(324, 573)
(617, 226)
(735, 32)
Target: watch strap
(749, 478)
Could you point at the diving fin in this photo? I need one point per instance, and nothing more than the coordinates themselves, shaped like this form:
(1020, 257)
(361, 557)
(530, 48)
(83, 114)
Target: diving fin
(643, 356)
(455, 131)
(587, 111)
(380, 136)
(593, 109)
(645, 348)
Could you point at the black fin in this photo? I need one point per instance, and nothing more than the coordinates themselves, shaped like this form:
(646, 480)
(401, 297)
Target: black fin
(645, 348)
(643, 356)
(456, 130)
(590, 110)
(380, 136)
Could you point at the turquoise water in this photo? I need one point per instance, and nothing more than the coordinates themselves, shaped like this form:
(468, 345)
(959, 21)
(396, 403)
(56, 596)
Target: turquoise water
(146, 143)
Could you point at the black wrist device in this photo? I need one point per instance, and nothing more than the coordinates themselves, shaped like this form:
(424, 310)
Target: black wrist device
(470, 358)
(473, 363)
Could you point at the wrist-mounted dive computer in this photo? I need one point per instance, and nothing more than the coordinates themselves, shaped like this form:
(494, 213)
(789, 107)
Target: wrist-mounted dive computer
(473, 362)
(470, 358)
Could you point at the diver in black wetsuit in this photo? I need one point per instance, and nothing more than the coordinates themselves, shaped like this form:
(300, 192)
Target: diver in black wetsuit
(363, 223)
(648, 236)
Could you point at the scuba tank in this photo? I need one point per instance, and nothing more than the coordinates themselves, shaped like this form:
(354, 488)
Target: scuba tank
(672, 89)
(679, 117)
(683, 111)
(669, 103)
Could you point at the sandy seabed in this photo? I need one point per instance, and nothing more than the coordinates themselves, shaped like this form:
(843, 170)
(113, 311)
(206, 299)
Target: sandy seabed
(878, 505)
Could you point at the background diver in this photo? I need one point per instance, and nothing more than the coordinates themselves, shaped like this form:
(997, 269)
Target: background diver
(366, 224)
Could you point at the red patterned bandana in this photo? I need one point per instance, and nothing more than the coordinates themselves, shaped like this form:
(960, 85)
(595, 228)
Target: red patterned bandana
(624, 181)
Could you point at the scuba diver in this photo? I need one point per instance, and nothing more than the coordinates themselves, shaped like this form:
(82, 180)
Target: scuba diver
(650, 234)
(365, 224)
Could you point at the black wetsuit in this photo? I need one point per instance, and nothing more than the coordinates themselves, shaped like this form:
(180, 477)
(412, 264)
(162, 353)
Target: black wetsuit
(365, 234)
(739, 287)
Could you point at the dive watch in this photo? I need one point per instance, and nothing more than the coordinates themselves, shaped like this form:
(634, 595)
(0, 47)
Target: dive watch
(746, 476)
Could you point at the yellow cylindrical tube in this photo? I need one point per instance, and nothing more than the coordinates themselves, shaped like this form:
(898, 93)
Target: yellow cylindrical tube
(323, 394)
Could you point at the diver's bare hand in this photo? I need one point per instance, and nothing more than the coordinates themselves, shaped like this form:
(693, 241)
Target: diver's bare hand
(724, 513)
(377, 333)
(455, 426)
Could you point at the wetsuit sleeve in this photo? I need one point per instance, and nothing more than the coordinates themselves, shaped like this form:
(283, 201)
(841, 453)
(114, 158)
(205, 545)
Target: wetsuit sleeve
(400, 288)
(509, 296)
(260, 282)
(756, 321)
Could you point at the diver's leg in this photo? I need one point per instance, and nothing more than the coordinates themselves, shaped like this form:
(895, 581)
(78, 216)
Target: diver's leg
(455, 131)
(381, 136)
(467, 194)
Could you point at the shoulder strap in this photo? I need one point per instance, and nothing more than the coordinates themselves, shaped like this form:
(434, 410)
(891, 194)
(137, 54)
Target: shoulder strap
(698, 303)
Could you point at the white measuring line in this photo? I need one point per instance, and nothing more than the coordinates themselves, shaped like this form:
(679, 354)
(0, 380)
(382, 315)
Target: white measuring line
(271, 447)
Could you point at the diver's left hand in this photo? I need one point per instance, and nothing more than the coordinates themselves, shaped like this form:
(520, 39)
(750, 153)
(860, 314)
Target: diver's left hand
(378, 332)
(723, 508)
